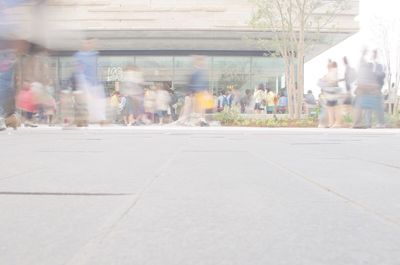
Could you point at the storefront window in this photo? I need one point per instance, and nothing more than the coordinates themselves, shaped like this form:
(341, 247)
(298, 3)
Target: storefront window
(268, 71)
(156, 69)
(231, 72)
(184, 68)
(224, 72)
(110, 70)
(66, 69)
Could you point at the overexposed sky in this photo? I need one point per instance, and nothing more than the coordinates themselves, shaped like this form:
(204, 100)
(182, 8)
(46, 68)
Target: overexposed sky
(351, 47)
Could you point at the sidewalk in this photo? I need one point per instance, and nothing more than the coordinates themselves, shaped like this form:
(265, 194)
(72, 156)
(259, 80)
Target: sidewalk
(206, 196)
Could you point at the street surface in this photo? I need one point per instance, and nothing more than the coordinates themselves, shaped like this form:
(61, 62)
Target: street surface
(201, 196)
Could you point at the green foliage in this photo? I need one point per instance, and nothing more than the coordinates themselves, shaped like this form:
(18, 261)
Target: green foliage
(348, 118)
(393, 121)
(232, 117)
(229, 116)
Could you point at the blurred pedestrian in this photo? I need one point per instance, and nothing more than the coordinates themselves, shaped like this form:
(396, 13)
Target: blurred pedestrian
(245, 101)
(174, 103)
(331, 90)
(222, 101)
(271, 101)
(198, 84)
(36, 71)
(150, 106)
(26, 103)
(259, 99)
(282, 103)
(132, 91)
(369, 97)
(115, 103)
(8, 63)
(46, 103)
(198, 99)
(378, 108)
(350, 76)
(233, 96)
(310, 102)
(92, 94)
(163, 99)
(309, 98)
(7, 92)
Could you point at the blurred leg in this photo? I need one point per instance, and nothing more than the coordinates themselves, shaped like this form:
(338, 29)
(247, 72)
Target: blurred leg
(368, 117)
(358, 112)
(66, 109)
(338, 116)
(380, 113)
(81, 108)
(331, 116)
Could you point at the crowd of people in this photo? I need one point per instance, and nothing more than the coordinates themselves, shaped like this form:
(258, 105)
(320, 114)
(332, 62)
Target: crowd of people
(30, 95)
(33, 99)
(262, 100)
(84, 100)
(134, 102)
(361, 96)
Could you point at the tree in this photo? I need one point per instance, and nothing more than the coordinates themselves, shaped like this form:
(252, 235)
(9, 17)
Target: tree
(295, 26)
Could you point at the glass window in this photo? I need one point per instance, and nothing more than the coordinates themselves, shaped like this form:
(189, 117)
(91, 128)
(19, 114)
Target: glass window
(110, 70)
(183, 69)
(269, 71)
(224, 72)
(156, 69)
(66, 69)
(111, 67)
(228, 72)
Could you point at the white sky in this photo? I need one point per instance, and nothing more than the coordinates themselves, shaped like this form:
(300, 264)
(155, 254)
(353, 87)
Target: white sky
(351, 47)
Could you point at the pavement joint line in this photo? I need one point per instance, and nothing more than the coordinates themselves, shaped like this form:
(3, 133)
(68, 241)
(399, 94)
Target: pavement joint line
(85, 194)
(87, 251)
(347, 157)
(69, 151)
(18, 174)
(350, 201)
(374, 162)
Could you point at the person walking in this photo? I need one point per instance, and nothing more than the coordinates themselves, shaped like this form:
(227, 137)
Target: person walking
(378, 106)
(132, 91)
(350, 76)
(259, 99)
(150, 96)
(330, 90)
(271, 101)
(163, 99)
(91, 99)
(9, 49)
(245, 101)
(222, 101)
(282, 103)
(310, 102)
(27, 104)
(369, 97)
(7, 93)
(198, 97)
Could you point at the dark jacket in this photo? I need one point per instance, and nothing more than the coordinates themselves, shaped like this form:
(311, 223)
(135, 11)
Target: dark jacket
(198, 81)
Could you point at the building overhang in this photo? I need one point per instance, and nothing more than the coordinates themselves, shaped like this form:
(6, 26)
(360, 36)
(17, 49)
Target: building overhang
(187, 41)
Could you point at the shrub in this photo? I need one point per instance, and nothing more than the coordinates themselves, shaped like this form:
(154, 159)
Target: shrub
(228, 116)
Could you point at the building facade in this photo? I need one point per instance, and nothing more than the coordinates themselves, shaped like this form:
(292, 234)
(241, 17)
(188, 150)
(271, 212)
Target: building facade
(159, 36)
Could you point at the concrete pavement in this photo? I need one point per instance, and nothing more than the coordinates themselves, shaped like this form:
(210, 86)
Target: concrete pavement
(152, 195)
